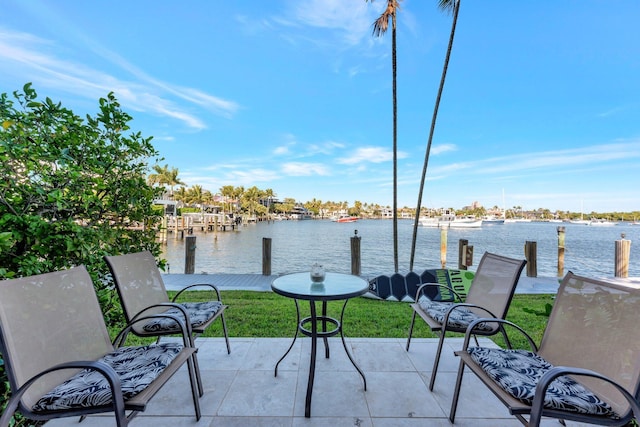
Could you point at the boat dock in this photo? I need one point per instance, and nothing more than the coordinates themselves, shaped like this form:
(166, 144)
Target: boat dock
(259, 282)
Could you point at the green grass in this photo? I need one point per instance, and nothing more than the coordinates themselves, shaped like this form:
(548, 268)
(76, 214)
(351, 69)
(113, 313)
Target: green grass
(266, 314)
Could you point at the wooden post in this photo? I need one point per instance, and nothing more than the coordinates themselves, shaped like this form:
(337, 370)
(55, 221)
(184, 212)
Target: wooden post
(163, 230)
(443, 247)
(190, 255)
(561, 231)
(355, 254)
(623, 249)
(266, 256)
(530, 253)
(462, 252)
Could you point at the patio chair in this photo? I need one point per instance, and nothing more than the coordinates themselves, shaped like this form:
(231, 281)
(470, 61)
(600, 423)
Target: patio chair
(142, 292)
(489, 295)
(587, 368)
(60, 361)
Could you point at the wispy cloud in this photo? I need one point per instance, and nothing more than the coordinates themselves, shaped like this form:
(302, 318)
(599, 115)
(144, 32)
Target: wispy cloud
(442, 148)
(590, 156)
(350, 19)
(27, 56)
(304, 169)
(370, 155)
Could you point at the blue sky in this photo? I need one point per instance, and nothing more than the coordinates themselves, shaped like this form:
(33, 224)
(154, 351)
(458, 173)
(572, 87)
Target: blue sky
(541, 103)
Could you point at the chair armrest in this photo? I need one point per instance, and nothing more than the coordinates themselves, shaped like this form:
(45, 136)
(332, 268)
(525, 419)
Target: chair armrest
(179, 306)
(439, 285)
(186, 331)
(502, 323)
(466, 305)
(558, 371)
(102, 368)
(211, 285)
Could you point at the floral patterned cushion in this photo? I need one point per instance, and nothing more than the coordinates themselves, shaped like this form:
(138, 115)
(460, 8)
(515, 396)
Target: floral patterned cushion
(199, 314)
(518, 372)
(137, 367)
(460, 317)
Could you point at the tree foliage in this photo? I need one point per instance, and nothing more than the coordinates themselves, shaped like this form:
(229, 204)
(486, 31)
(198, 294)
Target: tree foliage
(72, 189)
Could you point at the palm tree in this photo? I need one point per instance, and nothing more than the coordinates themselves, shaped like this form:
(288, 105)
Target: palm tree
(380, 27)
(226, 192)
(196, 196)
(251, 199)
(164, 176)
(270, 195)
(448, 6)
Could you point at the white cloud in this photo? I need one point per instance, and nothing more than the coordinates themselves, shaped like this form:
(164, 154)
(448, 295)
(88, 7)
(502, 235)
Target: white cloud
(442, 148)
(559, 160)
(351, 18)
(370, 155)
(304, 169)
(23, 54)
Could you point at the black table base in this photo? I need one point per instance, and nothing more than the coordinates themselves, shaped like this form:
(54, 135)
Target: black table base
(325, 333)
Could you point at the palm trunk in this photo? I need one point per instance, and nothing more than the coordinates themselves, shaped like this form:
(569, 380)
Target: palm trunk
(456, 8)
(395, 146)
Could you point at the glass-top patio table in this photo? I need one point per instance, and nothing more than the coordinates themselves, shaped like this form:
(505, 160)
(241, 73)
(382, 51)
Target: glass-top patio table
(336, 286)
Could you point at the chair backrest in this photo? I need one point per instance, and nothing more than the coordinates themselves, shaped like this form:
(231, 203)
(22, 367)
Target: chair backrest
(138, 281)
(494, 283)
(594, 325)
(46, 320)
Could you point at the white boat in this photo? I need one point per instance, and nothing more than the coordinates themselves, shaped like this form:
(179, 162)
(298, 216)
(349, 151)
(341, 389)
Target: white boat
(449, 220)
(601, 223)
(465, 223)
(580, 221)
(492, 220)
(344, 218)
(429, 222)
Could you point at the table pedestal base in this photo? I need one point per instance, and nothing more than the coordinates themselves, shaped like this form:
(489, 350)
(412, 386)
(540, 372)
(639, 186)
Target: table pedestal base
(325, 333)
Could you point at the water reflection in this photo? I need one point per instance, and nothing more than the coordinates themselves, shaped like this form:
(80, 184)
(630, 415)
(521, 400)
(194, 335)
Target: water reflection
(296, 245)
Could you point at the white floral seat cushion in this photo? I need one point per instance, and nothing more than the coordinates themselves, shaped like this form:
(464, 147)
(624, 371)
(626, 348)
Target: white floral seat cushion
(199, 314)
(137, 367)
(460, 317)
(518, 372)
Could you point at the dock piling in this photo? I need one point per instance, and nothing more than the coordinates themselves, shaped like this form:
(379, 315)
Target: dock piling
(443, 247)
(190, 255)
(531, 255)
(623, 250)
(266, 256)
(355, 254)
(561, 232)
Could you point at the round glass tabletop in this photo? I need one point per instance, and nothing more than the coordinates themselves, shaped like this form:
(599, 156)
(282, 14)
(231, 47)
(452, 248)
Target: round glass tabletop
(336, 286)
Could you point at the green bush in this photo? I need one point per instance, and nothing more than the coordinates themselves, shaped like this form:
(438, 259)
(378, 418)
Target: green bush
(73, 189)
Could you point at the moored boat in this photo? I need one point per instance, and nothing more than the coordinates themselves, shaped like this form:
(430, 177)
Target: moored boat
(601, 223)
(345, 218)
(449, 220)
(492, 220)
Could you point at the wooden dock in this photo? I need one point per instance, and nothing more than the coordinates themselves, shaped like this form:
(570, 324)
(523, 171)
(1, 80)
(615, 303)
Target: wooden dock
(259, 282)
(224, 281)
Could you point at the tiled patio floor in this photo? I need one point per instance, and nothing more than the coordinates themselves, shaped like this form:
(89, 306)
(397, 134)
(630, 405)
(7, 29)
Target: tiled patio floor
(241, 390)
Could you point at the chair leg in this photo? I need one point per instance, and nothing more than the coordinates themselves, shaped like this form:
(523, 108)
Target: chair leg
(436, 361)
(413, 321)
(456, 393)
(226, 334)
(196, 365)
(196, 384)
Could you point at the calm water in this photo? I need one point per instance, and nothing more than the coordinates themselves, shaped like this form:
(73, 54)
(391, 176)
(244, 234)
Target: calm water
(296, 245)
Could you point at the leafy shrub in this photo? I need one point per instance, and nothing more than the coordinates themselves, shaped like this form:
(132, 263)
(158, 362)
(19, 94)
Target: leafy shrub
(73, 189)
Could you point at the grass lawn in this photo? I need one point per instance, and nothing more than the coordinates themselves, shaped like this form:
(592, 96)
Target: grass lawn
(266, 314)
